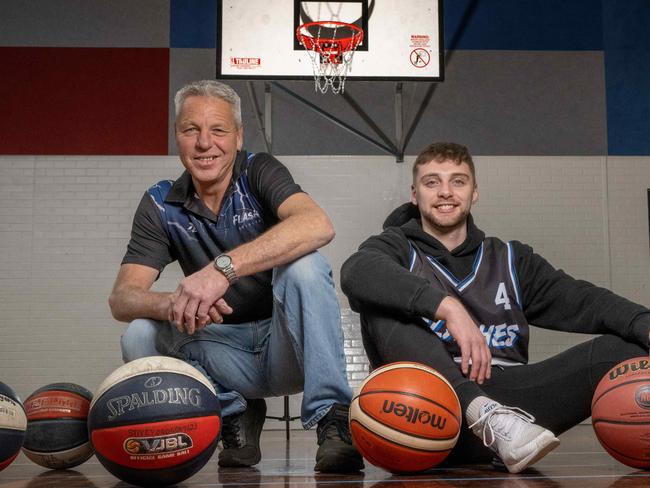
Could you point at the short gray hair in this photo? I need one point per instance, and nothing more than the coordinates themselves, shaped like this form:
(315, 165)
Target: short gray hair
(210, 88)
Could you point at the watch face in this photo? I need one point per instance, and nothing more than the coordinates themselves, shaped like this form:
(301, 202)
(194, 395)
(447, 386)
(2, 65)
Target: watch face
(223, 261)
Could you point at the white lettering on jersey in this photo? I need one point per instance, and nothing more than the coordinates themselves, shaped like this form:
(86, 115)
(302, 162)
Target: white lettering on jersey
(500, 336)
(502, 296)
(497, 336)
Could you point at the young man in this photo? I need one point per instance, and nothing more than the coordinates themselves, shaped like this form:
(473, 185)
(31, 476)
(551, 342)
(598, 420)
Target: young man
(257, 311)
(432, 288)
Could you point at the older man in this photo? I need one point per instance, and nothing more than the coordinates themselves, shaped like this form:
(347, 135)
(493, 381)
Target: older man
(257, 311)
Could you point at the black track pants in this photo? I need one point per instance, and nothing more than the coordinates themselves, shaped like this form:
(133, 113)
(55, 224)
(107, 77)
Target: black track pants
(556, 391)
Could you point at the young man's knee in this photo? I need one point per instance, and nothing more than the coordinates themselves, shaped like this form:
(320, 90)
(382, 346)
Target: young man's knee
(380, 324)
(613, 348)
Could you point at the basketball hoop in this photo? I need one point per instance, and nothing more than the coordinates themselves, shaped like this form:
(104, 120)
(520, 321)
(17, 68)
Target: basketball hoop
(331, 56)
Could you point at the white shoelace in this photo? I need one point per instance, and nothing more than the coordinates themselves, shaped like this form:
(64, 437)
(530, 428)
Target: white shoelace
(489, 429)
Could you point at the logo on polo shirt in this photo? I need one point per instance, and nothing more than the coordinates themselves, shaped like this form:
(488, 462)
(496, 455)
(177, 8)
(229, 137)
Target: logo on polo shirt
(245, 216)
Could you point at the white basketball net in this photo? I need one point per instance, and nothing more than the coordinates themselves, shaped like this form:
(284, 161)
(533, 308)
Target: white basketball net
(329, 62)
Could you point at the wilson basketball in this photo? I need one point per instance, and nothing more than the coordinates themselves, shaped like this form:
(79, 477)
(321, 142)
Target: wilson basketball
(57, 435)
(13, 423)
(620, 412)
(155, 421)
(405, 417)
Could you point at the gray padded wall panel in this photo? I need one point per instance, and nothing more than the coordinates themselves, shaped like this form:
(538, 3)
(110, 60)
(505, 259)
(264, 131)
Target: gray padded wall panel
(85, 23)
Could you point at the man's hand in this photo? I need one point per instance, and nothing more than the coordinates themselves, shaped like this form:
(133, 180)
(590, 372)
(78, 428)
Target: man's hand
(198, 300)
(469, 338)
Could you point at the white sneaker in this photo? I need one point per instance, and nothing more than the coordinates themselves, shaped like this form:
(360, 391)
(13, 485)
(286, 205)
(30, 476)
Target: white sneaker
(512, 435)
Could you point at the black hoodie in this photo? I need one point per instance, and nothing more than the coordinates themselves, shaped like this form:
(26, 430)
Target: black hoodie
(377, 276)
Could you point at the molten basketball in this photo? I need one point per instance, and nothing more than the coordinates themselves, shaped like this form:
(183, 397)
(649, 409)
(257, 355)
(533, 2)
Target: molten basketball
(405, 417)
(13, 423)
(620, 412)
(57, 435)
(155, 421)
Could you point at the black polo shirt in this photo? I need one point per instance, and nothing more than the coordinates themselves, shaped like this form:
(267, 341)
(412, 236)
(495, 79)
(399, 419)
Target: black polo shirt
(172, 223)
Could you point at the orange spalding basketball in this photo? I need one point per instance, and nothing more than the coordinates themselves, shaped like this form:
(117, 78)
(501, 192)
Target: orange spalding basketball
(620, 412)
(405, 417)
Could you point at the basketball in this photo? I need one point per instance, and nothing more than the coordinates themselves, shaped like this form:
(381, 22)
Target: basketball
(405, 417)
(155, 421)
(620, 412)
(57, 436)
(13, 423)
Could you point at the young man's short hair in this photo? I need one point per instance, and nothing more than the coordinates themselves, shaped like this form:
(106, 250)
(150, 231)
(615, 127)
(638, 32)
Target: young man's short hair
(444, 151)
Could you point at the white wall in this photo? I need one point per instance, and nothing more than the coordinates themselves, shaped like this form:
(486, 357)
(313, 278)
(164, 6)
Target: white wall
(65, 221)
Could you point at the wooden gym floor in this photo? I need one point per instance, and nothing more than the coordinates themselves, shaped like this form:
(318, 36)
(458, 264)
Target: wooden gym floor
(578, 462)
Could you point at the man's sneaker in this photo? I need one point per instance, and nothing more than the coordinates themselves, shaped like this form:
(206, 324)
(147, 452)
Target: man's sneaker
(511, 434)
(336, 454)
(240, 435)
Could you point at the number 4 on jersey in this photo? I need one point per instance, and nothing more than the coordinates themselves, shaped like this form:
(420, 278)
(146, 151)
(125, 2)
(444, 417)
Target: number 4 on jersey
(502, 296)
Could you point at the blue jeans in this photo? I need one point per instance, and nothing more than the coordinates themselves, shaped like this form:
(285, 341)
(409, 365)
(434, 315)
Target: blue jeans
(300, 348)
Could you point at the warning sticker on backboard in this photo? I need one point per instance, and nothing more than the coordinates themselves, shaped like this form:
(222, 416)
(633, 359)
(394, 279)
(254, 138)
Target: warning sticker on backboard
(420, 57)
(420, 40)
(245, 63)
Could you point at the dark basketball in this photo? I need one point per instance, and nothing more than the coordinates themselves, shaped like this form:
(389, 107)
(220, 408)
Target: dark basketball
(620, 412)
(13, 423)
(405, 417)
(155, 421)
(57, 435)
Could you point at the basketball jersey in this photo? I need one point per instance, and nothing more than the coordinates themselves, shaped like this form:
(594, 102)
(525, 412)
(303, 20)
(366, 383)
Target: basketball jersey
(491, 295)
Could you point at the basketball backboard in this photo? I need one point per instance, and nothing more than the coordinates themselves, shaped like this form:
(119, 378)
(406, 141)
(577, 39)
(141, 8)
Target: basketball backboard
(402, 38)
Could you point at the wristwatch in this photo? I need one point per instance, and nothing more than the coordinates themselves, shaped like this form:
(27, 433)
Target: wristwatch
(223, 264)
